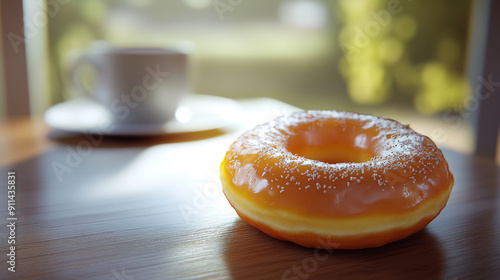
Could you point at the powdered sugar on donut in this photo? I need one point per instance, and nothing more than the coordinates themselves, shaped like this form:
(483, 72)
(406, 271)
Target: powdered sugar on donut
(403, 171)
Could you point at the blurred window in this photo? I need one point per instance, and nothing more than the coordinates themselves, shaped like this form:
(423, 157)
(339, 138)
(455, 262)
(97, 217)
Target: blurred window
(356, 52)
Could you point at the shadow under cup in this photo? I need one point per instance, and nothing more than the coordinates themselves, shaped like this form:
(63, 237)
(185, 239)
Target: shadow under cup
(138, 85)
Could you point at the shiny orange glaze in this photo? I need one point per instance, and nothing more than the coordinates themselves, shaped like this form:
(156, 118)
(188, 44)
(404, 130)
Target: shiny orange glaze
(337, 166)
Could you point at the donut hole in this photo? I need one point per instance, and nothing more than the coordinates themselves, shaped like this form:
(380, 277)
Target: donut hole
(333, 144)
(335, 155)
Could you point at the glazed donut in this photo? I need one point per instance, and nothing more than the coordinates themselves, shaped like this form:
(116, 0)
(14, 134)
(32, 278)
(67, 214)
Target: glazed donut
(330, 179)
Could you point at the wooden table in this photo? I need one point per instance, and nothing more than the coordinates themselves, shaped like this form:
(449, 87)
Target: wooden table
(152, 208)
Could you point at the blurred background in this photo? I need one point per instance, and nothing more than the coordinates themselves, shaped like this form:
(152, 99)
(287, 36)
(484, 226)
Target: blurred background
(405, 59)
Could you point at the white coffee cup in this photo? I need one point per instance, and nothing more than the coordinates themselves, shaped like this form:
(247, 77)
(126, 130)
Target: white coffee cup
(136, 85)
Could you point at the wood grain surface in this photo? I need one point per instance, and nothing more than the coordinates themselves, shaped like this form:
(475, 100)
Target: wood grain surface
(152, 208)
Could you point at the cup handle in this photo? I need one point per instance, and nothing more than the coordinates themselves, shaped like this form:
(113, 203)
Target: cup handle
(75, 74)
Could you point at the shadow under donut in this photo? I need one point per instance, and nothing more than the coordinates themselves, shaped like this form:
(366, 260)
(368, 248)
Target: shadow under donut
(251, 254)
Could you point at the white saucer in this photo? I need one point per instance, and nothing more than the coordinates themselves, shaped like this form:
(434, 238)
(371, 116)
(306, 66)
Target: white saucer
(195, 113)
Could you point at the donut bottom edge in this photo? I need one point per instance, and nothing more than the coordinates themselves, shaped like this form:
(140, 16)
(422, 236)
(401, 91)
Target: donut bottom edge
(370, 239)
(361, 241)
